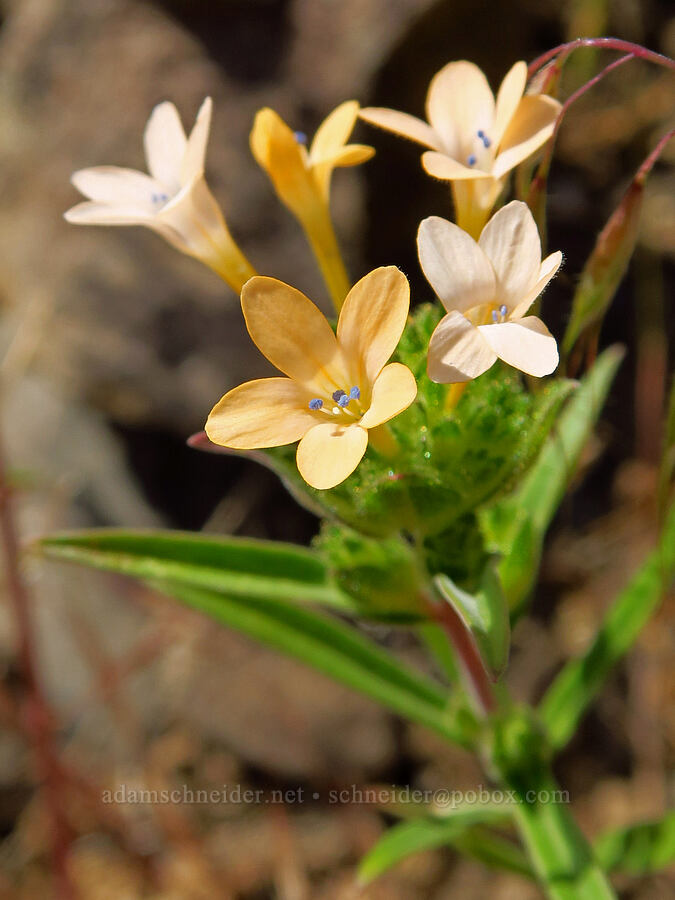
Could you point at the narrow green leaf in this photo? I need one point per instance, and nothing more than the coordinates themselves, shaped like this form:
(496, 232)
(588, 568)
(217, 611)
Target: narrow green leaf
(416, 835)
(331, 647)
(515, 527)
(638, 849)
(485, 614)
(240, 567)
(580, 680)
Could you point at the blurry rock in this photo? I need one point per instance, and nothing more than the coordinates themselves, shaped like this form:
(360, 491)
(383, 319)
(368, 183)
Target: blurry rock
(144, 333)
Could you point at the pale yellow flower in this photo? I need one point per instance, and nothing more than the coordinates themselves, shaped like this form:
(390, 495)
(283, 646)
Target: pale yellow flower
(474, 140)
(173, 200)
(487, 288)
(302, 178)
(338, 386)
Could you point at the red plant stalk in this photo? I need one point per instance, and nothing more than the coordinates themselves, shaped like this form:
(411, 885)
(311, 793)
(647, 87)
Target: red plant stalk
(605, 43)
(37, 715)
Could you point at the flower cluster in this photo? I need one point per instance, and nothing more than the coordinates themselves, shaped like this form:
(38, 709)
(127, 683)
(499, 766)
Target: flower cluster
(339, 387)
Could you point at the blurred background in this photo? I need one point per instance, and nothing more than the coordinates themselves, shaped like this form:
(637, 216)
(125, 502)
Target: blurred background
(115, 347)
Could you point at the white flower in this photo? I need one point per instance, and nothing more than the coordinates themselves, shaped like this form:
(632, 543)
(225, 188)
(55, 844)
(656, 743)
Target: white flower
(487, 287)
(173, 200)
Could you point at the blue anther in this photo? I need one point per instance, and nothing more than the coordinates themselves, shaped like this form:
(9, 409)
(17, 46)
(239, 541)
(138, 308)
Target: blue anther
(337, 395)
(472, 160)
(355, 393)
(316, 403)
(481, 134)
(486, 141)
(503, 310)
(300, 137)
(495, 316)
(159, 198)
(344, 400)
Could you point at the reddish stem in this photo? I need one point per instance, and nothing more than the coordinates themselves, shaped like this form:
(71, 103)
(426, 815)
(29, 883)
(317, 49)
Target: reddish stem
(648, 164)
(605, 43)
(467, 654)
(37, 715)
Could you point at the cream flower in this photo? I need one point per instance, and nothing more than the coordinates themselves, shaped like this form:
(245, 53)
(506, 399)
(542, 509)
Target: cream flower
(337, 386)
(302, 178)
(474, 140)
(487, 287)
(173, 200)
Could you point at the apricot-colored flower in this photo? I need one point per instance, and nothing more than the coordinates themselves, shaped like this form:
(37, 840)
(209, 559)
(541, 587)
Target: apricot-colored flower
(338, 386)
(486, 288)
(474, 140)
(173, 200)
(302, 178)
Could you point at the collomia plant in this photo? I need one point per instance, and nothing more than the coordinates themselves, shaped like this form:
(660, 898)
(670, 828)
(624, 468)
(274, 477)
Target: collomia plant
(435, 442)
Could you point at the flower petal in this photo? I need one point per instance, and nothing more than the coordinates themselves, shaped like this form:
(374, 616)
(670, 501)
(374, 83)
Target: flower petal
(268, 412)
(448, 169)
(292, 333)
(371, 322)
(277, 151)
(394, 390)
(90, 213)
(527, 345)
(334, 131)
(510, 241)
(116, 186)
(547, 270)
(509, 95)
(459, 104)
(165, 144)
(192, 164)
(402, 124)
(329, 453)
(457, 351)
(454, 265)
(531, 126)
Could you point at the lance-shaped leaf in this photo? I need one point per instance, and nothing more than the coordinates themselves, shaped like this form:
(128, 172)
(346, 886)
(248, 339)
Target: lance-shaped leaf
(580, 680)
(515, 527)
(239, 567)
(332, 647)
(638, 849)
(609, 260)
(485, 614)
(417, 835)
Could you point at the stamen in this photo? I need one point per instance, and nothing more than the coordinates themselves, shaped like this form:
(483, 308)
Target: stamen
(355, 393)
(484, 138)
(503, 310)
(300, 137)
(316, 403)
(159, 199)
(337, 394)
(472, 160)
(495, 316)
(344, 401)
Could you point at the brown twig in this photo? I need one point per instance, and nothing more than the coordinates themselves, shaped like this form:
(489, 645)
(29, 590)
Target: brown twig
(36, 713)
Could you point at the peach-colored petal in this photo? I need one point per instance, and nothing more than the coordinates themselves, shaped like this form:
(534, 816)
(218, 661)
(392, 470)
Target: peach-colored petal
(268, 412)
(277, 151)
(509, 95)
(527, 345)
(351, 155)
(457, 351)
(292, 333)
(165, 144)
(371, 322)
(334, 131)
(91, 213)
(195, 221)
(402, 124)
(547, 270)
(329, 453)
(454, 265)
(510, 241)
(195, 152)
(115, 186)
(394, 390)
(459, 104)
(444, 167)
(531, 126)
